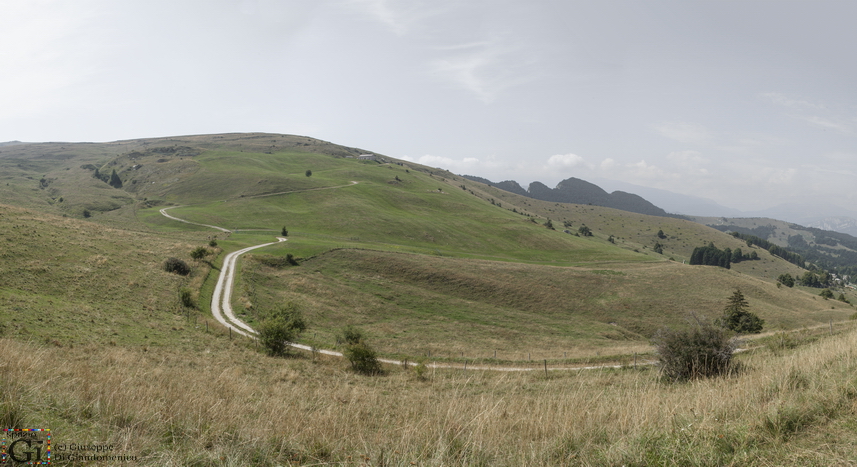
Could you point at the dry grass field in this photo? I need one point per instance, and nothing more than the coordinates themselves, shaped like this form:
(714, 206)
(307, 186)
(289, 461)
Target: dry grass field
(227, 405)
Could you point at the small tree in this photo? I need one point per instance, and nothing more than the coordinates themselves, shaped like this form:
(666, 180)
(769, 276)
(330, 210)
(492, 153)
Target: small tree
(826, 294)
(309, 173)
(702, 351)
(661, 234)
(280, 327)
(737, 318)
(363, 359)
(284, 232)
(115, 181)
(584, 231)
(186, 297)
(199, 253)
(786, 279)
(549, 224)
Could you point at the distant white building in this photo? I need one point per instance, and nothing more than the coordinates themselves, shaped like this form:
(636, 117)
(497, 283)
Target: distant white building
(367, 157)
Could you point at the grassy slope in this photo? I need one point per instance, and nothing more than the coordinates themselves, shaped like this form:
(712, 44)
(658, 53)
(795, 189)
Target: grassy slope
(196, 398)
(412, 304)
(609, 302)
(72, 282)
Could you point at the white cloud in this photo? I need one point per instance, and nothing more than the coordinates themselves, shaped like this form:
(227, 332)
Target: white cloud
(455, 165)
(643, 170)
(484, 68)
(684, 132)
(811, 113)
(840, 126)
(786, 101)
(400, 17)
(687, 158)
(608, 164)
(382, 11)
(566, 161)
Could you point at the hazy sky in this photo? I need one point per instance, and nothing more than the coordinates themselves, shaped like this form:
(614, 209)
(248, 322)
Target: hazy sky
(750, 103)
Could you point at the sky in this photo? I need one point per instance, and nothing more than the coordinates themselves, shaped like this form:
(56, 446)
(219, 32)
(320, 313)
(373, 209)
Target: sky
(749, 103)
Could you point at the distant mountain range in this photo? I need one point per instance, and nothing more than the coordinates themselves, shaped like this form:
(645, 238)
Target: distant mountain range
(577, 191)
(655, 202)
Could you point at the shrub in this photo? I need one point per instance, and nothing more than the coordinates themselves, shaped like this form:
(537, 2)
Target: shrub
(420, 370)
(212, 243)
(177, 266)
(199, 252)
(280, 327)
(702, 351)
(363, 359)
(826, 294)
(187, 298)
(308, 173)
(284, 232)
(350, 335)
(786, 279)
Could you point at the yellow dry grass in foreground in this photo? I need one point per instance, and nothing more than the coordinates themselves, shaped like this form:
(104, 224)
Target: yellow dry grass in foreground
(231, 406)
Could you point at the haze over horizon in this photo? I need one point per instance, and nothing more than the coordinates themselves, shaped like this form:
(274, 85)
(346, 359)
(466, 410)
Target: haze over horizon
(751, 104)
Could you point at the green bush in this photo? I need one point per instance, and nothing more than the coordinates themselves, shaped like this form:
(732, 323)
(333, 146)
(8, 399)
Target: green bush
(187, 298)
(350, 335)
(364, 359)
(702, 351)
(279, 327)
(199, 252)
(177, 266)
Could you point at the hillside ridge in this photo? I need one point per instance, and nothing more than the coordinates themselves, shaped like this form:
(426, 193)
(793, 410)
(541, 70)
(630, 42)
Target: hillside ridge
(577, 191)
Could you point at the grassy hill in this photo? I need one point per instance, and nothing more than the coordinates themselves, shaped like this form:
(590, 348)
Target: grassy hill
(423, 259)
(424, 262)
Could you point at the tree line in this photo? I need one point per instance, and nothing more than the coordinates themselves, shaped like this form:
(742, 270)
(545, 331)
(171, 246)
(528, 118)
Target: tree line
(773, 249)
(710, 255)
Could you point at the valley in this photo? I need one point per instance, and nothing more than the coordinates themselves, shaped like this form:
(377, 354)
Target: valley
(432, 267)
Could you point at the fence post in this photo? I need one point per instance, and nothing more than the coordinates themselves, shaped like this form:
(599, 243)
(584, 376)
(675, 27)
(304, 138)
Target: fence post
(635, 360)
(546, 368)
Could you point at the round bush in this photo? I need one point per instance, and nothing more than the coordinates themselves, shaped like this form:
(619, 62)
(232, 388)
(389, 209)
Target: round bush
(177, 266)
(702, 351)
